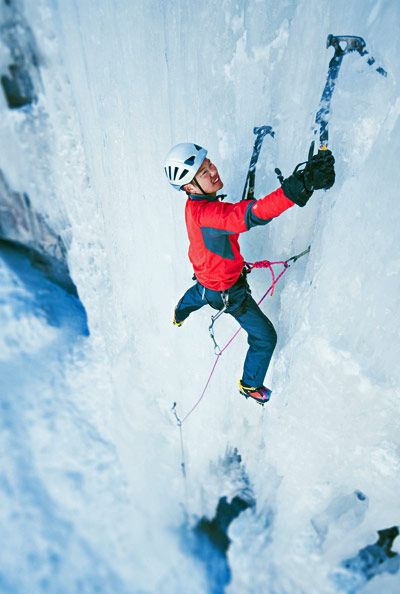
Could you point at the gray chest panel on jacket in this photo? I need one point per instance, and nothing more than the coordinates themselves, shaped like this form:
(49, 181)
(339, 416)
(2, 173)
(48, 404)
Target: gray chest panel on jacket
(217, 241)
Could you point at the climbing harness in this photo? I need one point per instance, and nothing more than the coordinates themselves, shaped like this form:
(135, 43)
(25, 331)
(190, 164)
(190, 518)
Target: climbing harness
(248, 268)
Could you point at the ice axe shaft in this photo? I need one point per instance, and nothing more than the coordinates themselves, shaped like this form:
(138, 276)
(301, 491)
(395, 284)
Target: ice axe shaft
(260, 132)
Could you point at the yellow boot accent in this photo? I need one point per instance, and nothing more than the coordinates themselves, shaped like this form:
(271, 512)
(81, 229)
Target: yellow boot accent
(242, 387)
(176, 323)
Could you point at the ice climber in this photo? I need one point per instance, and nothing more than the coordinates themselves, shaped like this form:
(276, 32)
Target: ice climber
(213, 229)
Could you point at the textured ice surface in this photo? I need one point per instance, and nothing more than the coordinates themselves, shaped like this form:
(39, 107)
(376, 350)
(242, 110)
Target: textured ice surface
(92, 494)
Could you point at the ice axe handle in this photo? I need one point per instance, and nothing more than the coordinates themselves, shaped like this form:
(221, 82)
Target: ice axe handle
(323, 147)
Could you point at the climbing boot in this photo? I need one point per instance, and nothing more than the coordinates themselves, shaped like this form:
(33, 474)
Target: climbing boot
(260, 395)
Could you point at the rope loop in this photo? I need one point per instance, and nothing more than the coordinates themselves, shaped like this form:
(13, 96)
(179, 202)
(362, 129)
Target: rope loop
(269, 265)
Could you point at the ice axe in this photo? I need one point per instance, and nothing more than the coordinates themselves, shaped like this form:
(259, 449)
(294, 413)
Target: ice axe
(260, 132)
(342, 44)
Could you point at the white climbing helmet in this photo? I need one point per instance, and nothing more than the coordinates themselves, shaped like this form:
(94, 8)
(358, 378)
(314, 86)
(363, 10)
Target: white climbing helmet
(183, 162)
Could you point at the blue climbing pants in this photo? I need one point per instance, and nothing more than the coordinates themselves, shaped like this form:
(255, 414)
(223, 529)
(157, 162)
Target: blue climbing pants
(241, 305)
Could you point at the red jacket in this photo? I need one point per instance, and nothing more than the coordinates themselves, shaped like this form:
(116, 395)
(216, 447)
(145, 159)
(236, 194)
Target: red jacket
(213, 229)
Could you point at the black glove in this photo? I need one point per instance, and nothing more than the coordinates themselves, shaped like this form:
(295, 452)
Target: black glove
(295, 189)
(319, 172)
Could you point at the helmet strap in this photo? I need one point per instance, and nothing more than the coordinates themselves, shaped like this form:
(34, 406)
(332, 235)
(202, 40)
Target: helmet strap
(199, 186)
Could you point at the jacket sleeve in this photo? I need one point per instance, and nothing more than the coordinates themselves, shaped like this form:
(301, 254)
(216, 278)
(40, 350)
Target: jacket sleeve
(267, 208)
(230, 218)
(242, 216)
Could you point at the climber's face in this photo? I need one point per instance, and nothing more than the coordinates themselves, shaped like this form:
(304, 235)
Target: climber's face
(207, 178)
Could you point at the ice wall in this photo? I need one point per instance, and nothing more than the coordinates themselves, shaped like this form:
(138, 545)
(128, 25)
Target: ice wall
(122, 82)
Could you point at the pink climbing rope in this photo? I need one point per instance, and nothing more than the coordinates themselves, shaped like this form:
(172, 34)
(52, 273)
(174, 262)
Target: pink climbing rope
(267, 264)
(250, 266)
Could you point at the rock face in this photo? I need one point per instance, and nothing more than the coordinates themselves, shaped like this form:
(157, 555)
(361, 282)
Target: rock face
(29, 231)
(19, 62)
